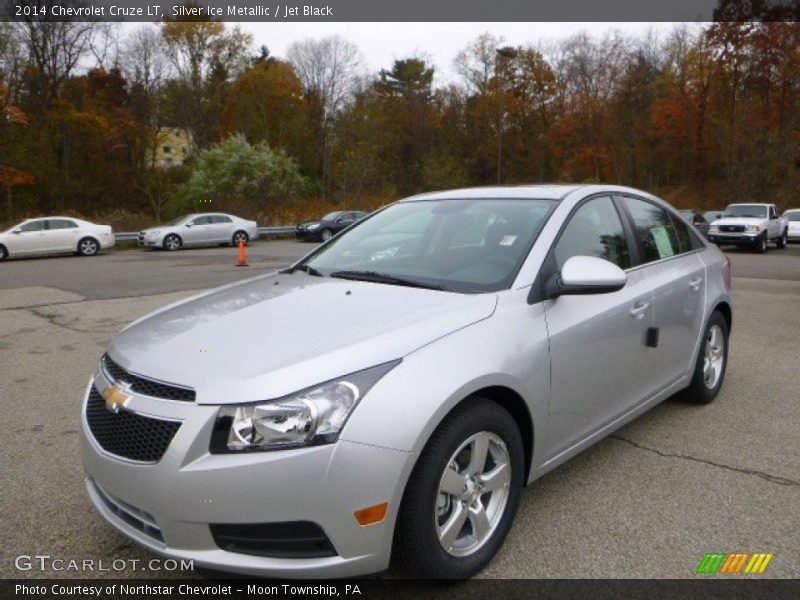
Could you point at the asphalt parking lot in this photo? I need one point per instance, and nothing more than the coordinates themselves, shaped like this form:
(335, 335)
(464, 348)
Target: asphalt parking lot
(647, 502)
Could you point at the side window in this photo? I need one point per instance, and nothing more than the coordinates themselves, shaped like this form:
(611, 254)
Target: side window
(33, 226)
(773, 214)
(61, 224)
(655, 230)
(594, 230)
(685, 242)
(201, 221)
(222, 219)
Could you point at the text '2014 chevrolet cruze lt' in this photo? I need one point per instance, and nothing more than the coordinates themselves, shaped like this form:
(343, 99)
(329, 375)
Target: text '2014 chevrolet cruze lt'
(397, 387)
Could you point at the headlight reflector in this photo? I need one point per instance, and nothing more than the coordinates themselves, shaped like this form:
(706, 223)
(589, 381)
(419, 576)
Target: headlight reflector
(309, 417)
(753, 228)
(313, 226)
(714, 228)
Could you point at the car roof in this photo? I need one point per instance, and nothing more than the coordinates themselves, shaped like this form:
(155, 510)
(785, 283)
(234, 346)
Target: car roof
(534, 192)
(750, 204)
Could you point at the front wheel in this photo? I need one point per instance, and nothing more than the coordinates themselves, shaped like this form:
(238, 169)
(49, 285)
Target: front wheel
(709, 371)
(463, 493)
(326, 234)
(172, 242)
(782, 241)
(88, 247)
(761, 244)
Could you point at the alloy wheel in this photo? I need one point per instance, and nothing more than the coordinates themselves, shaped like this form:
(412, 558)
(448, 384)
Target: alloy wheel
(714, 356)
(326, 235)
(88, 247)
(473, 494)
(239, 237)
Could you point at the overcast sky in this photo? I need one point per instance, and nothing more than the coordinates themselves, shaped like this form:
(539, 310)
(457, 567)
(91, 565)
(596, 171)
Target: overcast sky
(382, 43)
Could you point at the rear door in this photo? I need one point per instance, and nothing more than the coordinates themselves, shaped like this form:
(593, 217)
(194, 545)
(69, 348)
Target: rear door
(62, 235)
(597, 342)
(222, 228)
(671, 264)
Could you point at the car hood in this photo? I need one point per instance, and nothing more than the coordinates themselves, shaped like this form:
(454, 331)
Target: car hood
(740, 221)
(271, 336)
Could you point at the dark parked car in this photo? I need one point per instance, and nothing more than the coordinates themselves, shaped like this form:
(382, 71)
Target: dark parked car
(327, 226)
(696, 219)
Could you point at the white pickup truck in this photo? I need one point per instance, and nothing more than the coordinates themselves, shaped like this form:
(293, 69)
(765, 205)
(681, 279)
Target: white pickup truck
(752, 225)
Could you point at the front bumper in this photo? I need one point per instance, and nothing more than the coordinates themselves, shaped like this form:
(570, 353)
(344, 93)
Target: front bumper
(737, 239)
(176, 498)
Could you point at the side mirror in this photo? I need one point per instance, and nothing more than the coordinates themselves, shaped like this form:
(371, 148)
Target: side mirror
(586, 275)
(188, 225)
(17, 231)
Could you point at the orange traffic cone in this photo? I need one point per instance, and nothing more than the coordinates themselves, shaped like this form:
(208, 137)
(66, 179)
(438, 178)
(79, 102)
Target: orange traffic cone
(242, 255)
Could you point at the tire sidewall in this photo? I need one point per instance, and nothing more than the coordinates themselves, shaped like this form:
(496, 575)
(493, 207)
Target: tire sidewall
(416, 521)
(246, 238)
(325, 235)
(701, 393)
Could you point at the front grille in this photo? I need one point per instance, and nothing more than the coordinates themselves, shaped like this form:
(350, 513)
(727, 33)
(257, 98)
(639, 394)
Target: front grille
(148, 387)
(294, 539)
(732, 228)
(135, 517)
(128, 434)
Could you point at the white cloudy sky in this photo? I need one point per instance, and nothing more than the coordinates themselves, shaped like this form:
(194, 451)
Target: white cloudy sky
(382, 43)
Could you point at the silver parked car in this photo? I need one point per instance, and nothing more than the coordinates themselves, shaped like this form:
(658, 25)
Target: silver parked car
(206, 229)
(403, 382)
(55, 235)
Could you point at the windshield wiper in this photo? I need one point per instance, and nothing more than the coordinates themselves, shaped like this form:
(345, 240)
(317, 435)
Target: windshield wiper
(384, 278)
(304, 269)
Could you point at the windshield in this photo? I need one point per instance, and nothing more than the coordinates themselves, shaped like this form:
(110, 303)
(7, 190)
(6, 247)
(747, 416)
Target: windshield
(331, 216)
(457, 245)
(179, 220)
(755, 211)
(687, 213)
(793, 216)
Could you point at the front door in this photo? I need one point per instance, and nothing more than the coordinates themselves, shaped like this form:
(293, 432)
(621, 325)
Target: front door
(597, 342)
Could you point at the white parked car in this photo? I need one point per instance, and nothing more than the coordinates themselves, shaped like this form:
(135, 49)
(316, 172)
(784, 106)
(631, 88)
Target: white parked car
(207, 229)
(55, 235)
(793, 228)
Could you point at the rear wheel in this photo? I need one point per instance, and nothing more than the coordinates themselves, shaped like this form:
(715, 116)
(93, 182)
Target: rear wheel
(463, 493)
(88, 247)
(709, 371)
(782, 241)
(172, 242)
(240, 236)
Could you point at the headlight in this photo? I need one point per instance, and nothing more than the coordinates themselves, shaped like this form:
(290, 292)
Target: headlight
(153, 233)
(308, 418)
(713, 228)
(753, 228)
(313, 227)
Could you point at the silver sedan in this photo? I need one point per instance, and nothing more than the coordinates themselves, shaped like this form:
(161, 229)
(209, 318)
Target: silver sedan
(401, 384)
(206, 229)
(55, 235)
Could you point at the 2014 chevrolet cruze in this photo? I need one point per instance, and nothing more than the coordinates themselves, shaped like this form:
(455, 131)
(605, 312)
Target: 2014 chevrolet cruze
(397, 387)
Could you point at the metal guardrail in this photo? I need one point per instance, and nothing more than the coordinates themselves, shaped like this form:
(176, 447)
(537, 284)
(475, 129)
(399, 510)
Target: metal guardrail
(122, 236)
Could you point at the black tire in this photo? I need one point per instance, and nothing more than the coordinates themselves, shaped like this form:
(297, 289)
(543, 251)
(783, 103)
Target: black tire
(88, 246)
(782, 241)
(699, 391)
(172, 242)
(325, 235)
(416, 539)
(760, 244)
(3, 252)
(240, 235)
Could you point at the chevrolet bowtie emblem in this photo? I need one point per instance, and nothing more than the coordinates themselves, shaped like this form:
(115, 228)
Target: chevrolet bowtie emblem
(116, 398)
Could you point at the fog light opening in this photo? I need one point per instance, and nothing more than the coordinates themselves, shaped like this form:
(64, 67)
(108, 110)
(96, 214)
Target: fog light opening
(372, 514)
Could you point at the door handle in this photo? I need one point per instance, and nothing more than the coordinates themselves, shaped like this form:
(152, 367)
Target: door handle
(638, 310)
(695, 283)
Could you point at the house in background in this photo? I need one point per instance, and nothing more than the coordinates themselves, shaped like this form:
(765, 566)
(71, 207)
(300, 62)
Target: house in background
(172, 146)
